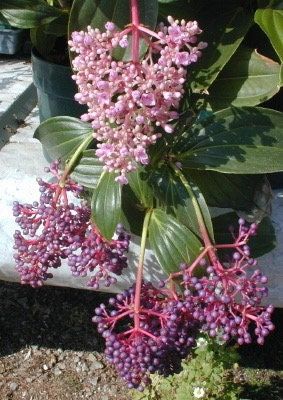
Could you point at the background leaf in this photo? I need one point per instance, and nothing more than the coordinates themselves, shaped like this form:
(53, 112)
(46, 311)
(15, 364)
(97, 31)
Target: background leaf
(106, 204)
(88, 170)
(246, 140)
(248, 193)
(248, 79)
(29, 13)
(225, 25)
(171, 241)
(61, 136)
(271, 22)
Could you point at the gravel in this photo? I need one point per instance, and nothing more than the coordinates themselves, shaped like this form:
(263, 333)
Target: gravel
(50, 349)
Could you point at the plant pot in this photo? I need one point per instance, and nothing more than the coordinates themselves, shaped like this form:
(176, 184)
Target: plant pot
(11, 40)
(55, 89)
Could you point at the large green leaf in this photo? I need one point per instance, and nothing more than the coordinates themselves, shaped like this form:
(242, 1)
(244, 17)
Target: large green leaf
(247, 80)
(262, 243)
(106, 204)
(225, 25)
(175, 199)
(139, 184)
(246, 140)
(271, 22)
(172, 242)
(61, 136)
(29, 13)
(88, 170)
(247, 193)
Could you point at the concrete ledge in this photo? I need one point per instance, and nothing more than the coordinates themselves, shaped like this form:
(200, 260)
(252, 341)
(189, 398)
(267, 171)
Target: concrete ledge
(17, 95)
(16, 113)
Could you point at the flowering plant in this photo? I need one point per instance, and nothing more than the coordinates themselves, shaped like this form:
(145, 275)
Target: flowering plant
(154, 160)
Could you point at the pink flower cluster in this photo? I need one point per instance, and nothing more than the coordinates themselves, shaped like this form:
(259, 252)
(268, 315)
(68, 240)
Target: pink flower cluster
(129, 103)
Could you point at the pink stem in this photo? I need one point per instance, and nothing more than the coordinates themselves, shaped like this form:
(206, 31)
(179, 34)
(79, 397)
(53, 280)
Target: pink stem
(148, 32)
(230, 245)
(135, 31)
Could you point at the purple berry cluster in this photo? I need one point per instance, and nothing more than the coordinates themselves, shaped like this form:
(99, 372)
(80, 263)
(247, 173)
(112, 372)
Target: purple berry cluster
(155, 335)
(54, 229)
(154, 339)
(97, 254)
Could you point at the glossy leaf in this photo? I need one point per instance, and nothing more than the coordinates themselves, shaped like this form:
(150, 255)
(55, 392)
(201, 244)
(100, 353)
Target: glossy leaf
(61, 136)
(244, 140)
(225, 25)
(247, 80)
(271, 22)
(262, 243)
(29, 13)
(141, 188)
(247, 193)
(106, 204)
(88, 170)
(172, 242)
(174, 199)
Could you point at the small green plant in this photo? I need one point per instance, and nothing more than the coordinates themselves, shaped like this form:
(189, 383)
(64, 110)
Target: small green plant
(206, 374)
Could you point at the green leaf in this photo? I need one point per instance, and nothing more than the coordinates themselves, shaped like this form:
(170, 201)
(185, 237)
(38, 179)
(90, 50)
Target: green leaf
(106, 204)
(172, 242)
(244, 140)
(29, 13)
(174, 199)
(88, 170)
(262, 243)
(61, 136)
(271, 22)
(41, 41)
(248, 193)
(247, 80)
(225, 25)
(141, 188)
(58, 27)
(133, 212)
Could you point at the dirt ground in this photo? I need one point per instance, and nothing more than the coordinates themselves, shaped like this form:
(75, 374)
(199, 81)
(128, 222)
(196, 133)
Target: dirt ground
(50, 349)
